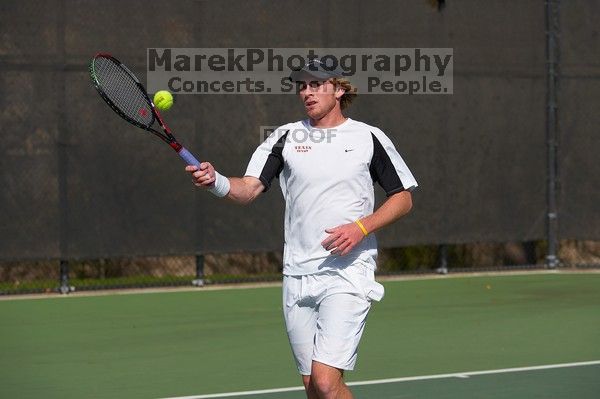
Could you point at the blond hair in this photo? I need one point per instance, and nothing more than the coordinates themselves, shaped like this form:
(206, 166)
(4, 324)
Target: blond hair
(350, 91)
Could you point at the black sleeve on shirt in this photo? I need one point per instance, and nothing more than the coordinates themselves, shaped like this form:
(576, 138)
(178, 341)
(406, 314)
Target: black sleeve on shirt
(383, 171)
(274, 164)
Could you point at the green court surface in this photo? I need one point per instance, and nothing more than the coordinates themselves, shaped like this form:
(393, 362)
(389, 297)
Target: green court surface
(196, 343)
(563, 381)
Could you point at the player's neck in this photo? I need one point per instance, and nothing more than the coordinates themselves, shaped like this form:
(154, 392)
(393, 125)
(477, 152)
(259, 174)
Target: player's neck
(332, 119)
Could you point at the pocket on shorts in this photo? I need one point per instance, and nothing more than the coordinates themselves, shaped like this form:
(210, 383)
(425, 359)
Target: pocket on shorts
(291, 290)
(372, 290)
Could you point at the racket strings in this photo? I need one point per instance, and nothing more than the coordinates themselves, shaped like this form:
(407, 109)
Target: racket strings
(122, 90)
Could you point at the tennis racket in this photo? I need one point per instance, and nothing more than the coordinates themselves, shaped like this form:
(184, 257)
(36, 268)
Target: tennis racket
(124, 93)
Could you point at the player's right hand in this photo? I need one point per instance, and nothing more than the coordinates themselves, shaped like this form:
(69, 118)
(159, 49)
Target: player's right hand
(203, 176)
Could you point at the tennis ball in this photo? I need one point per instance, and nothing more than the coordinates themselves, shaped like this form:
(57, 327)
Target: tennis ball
(163, 100)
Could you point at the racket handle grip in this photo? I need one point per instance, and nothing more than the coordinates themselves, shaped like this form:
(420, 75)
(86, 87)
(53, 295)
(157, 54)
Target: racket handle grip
(188, 157)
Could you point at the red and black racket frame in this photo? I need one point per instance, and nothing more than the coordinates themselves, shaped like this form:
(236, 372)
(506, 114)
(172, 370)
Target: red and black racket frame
(167, 137)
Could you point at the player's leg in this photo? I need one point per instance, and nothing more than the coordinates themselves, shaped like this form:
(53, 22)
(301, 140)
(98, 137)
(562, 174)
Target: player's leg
(328, 382)
(342, 315)
(301, 324)
(309, 387)
(340, 325)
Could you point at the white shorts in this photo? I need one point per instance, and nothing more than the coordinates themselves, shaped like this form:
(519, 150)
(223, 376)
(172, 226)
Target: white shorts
(325, 314)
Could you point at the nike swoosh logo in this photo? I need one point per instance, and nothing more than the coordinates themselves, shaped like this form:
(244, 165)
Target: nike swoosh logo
(349, 150)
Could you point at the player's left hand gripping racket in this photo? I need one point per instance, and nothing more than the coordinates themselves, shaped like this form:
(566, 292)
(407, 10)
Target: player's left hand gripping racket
(119, 87)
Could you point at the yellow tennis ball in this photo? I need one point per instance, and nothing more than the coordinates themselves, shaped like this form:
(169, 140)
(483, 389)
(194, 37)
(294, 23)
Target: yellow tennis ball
(163, 100)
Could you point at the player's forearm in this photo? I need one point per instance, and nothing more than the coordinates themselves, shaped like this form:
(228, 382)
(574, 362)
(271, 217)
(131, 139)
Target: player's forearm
(391, 210)
(244, 190)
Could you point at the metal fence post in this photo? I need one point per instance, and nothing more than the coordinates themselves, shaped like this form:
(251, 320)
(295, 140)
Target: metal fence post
(199, 280)
(442, 259)
(552, 62)
(62, 143)
(64, 287)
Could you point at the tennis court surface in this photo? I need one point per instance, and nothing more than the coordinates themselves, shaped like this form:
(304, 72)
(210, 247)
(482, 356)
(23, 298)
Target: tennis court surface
(461, 337)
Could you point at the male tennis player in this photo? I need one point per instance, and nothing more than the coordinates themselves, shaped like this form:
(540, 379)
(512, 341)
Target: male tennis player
(326, 166)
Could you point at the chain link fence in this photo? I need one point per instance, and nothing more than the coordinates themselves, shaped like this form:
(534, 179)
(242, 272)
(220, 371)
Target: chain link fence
(20, 277)
(80, 210)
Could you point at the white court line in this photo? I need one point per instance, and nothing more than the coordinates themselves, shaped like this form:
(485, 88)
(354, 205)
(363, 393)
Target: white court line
(464, 374)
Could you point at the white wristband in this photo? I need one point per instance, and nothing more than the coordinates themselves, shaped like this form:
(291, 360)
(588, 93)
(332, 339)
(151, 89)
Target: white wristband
(222, 185)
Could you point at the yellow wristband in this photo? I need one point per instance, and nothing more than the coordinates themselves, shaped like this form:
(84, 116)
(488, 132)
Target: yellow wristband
(362, 227)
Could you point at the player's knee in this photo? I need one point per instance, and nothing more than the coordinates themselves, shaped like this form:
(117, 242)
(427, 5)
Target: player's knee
(325, 384)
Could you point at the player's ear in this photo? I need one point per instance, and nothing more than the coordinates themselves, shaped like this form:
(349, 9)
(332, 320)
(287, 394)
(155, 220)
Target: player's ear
(339, 92)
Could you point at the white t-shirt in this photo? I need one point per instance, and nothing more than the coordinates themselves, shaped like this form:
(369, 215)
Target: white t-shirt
(327, 176)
